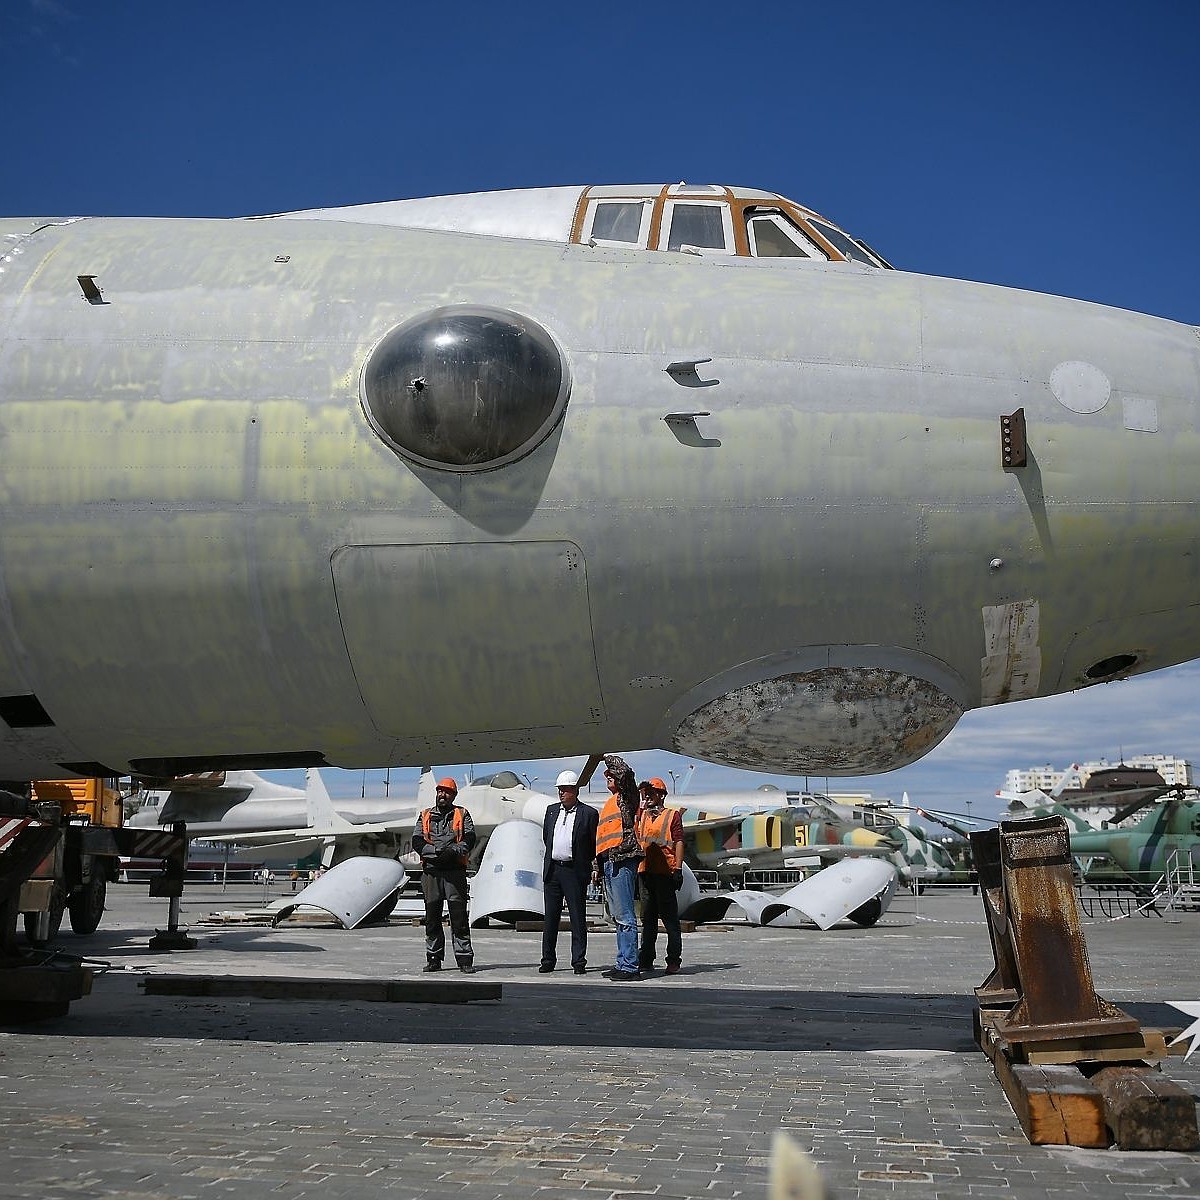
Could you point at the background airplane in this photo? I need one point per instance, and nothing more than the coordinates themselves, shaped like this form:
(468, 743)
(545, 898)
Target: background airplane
(322, 828)
(215, 802)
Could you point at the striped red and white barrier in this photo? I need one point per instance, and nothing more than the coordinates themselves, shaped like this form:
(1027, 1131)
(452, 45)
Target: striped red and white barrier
(11, 826)
(151, 843)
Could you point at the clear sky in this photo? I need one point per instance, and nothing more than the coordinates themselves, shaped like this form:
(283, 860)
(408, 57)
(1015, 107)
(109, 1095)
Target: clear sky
(1047, 146)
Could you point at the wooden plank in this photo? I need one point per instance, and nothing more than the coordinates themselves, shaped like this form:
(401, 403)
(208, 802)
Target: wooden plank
(1147, 1046)
(50, 984)
(1056, 1106)
(317, 920)
(375, 991)
(1147, 1111)
(563, 925)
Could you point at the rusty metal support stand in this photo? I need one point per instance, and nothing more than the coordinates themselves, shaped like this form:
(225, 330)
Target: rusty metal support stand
(1040, 1021)
(1033, 919)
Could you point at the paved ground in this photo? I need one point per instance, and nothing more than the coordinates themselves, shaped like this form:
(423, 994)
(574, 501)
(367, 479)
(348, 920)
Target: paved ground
(857, 1042)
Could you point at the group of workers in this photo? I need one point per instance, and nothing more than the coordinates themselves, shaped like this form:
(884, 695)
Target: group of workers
(634, 842)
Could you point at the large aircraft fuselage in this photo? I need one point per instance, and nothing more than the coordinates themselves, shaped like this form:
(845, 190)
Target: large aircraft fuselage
(208, 555)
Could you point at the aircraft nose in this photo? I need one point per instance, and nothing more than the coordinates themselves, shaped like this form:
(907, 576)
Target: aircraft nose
(1116, 487)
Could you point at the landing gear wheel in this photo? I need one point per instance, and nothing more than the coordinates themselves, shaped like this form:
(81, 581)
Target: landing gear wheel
(382, 910)
(58, 901)
(868, 913)
(86, 906)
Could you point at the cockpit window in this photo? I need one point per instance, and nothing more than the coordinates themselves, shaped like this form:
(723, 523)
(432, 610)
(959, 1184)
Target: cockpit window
(846, 244)
(619, 221)
(502, 779)
(698, 225)
(877, 820)
(772, 235)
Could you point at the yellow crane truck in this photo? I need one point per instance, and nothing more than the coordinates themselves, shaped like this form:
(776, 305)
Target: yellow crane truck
(60, 846)
(75, 876)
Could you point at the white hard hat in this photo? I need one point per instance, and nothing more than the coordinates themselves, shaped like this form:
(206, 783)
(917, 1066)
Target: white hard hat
(567, 779)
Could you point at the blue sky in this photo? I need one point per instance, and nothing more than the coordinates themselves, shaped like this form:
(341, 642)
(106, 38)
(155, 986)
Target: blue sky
(1051, 147)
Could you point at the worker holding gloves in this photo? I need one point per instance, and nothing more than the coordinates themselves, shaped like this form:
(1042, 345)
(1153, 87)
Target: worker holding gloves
(444, 837)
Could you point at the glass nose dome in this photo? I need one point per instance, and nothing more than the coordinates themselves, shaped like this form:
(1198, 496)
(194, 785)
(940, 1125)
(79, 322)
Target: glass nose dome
(465, 388)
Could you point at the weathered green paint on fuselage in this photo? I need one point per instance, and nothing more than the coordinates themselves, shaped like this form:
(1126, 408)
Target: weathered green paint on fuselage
(182, 464)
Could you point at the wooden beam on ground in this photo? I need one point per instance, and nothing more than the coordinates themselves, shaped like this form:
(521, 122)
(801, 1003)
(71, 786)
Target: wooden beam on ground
(1056, 1106)
(377, 991)
(1147, 1111)
(537, 925)
(1148, 1046)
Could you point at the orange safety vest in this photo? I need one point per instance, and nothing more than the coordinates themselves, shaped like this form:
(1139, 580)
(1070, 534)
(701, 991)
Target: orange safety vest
(610, 832)
(457, 824)
(654, 834)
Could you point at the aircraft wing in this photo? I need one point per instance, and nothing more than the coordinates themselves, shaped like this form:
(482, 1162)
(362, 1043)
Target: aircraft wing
(770, 857)
(308, 833)
(295, 847)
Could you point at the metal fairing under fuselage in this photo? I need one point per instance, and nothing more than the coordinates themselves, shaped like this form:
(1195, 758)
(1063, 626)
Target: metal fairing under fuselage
(754, 510)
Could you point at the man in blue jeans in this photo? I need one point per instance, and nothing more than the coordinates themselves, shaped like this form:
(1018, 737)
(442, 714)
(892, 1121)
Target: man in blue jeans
(618, 855)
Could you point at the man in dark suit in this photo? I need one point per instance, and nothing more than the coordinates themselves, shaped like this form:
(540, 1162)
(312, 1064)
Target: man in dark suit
(569, 831)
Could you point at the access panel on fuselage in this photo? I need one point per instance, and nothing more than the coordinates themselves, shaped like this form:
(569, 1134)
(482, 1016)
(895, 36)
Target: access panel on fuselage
(469, 637)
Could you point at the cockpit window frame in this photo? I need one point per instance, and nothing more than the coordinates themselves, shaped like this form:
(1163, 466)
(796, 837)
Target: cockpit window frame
(593, 206)
(720, 203)
(658, 206)
(791, 229)
(868, 259)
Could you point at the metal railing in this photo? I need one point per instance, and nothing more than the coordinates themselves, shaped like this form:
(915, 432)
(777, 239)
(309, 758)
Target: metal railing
(1180, 883)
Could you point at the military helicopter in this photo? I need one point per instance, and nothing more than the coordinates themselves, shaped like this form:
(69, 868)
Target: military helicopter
(1140, 854)
(1137, 855)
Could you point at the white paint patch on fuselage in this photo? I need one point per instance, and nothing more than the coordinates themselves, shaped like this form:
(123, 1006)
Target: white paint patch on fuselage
(1012, 667)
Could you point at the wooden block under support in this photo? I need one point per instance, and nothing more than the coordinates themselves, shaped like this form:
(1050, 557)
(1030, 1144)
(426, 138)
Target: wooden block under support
(1056, 1106)
(1147, 1111)
(564, 925)
(1147, 1046)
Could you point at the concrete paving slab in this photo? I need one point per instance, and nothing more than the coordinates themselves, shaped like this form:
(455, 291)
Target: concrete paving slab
(855, 1041)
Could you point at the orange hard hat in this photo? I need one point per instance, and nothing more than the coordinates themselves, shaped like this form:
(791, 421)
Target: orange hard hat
(448, 784)
(658, 785)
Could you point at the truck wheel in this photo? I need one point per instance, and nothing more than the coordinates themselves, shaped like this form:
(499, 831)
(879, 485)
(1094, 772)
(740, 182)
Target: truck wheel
(86, 906)
(57, 904)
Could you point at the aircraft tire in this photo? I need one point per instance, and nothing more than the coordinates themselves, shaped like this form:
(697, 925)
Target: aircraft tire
(867, 914)
(86, 906)
(382, 910)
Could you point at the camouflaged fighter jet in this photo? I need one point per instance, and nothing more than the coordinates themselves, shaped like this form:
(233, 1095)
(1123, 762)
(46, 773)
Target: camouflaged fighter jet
(526, 473)
(810, 831)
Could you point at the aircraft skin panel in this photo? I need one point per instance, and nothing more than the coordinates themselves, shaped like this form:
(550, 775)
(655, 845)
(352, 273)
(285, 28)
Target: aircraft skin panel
(514, 615)
(537, 213)
(183, 461)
